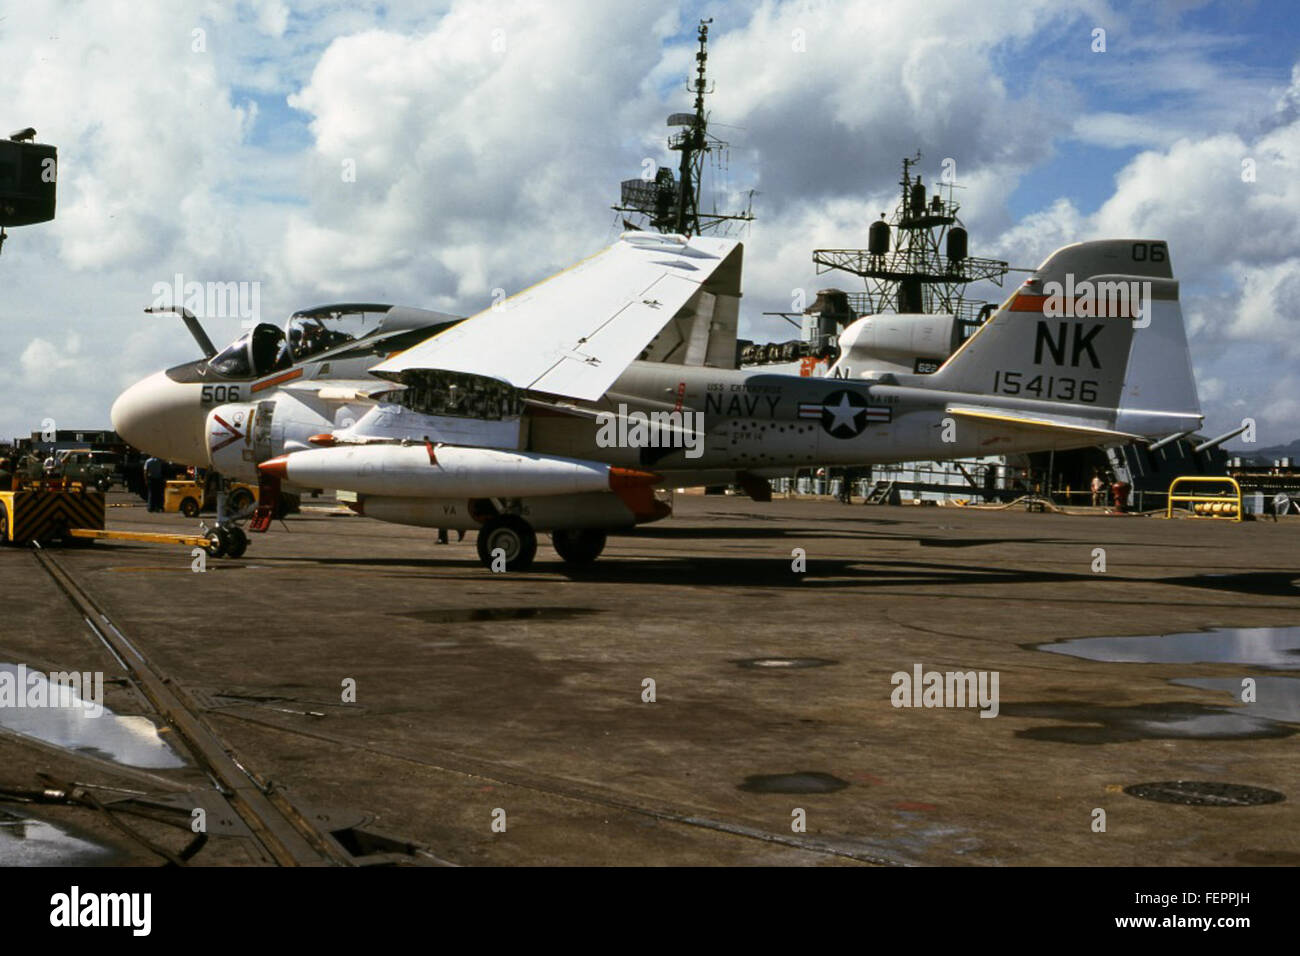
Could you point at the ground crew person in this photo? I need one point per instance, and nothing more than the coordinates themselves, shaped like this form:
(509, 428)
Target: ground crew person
(156, 481)
(1119, 492)
(846, 486)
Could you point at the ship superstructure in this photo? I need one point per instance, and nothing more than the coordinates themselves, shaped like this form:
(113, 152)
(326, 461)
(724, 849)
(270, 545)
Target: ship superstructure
(914, 309)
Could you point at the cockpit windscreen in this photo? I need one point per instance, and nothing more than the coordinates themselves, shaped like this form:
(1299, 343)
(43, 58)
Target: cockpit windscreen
(257, 352)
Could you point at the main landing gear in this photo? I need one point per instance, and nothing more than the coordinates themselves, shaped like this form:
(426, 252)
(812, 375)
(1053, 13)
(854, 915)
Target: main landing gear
(509, 543)
(582, 546)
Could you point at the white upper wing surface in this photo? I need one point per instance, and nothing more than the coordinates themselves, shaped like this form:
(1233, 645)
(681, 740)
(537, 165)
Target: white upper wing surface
(574, 333)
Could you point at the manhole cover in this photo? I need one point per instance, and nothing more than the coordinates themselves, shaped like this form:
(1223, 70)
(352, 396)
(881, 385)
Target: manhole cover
(783, 663)
(1200, 793)
(803, 782)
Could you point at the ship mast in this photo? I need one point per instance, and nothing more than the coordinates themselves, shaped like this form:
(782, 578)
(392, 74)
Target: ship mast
(926, 271)
(691, 143)
(672, 205)
(928, 268)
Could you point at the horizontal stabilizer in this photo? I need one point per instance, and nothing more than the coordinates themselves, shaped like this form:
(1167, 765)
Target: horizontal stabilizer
(1064, 425)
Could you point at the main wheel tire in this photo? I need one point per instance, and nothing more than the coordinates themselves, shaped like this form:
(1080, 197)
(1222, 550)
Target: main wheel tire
(237, 541)
(578, 546)
(189, 508)
(511, 534)
(239, 501)
(216, 543)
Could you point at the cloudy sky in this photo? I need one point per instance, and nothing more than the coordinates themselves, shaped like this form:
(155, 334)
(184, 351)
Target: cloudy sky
(428, 152)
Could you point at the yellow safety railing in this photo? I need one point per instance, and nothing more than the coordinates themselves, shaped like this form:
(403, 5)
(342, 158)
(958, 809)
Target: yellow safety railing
(1207, 505)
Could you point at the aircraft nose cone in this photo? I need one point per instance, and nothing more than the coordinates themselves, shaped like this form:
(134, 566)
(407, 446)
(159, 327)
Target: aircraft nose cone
(162, 418)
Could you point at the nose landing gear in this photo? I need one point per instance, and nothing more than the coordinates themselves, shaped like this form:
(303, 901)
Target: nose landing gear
(227, 541)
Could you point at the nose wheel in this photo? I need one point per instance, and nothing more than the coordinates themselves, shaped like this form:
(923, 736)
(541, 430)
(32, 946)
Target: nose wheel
(227, 541)
(236, 541)
(509, 538)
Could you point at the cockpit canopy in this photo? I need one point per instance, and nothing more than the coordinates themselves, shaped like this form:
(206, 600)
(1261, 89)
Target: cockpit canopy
(265, 348)
(258, 351)
(313, 332)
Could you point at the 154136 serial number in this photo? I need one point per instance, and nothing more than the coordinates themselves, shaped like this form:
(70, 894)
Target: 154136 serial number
(1060, 387)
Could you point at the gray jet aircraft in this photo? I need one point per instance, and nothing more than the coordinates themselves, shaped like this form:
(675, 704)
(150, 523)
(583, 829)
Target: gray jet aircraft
(566, 408)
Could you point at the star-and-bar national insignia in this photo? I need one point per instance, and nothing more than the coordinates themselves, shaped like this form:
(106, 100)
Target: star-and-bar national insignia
(844, 414)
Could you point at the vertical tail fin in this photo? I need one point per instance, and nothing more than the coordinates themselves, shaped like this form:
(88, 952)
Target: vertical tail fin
(1098, 328)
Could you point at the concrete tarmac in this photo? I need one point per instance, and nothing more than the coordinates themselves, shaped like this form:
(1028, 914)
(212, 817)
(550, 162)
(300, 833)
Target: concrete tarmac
(521, 699)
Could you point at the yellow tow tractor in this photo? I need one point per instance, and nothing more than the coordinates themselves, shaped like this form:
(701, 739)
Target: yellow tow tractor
(190, 497)
(46, 510)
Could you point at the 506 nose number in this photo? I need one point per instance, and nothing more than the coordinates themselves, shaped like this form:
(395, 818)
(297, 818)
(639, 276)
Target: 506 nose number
(220, 394)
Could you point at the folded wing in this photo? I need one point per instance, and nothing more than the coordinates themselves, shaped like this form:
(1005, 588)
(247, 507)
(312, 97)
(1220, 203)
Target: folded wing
(572, 335)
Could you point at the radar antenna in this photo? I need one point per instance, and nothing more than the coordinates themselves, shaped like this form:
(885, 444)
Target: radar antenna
(672, 204)
(928, 268)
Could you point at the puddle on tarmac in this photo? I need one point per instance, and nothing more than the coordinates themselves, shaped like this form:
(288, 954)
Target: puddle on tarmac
(457, 615)
(1271, 647)
(782, 663)
(69, 721)
(1277, 701)
(802, 782)
(1102, 724)
(28, 842)
(1276, 698)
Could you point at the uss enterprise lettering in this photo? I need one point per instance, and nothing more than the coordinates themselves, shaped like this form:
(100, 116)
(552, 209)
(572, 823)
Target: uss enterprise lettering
(741, 399)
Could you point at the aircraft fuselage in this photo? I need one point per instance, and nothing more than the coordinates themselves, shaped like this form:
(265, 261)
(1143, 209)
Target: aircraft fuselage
(770, 424)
